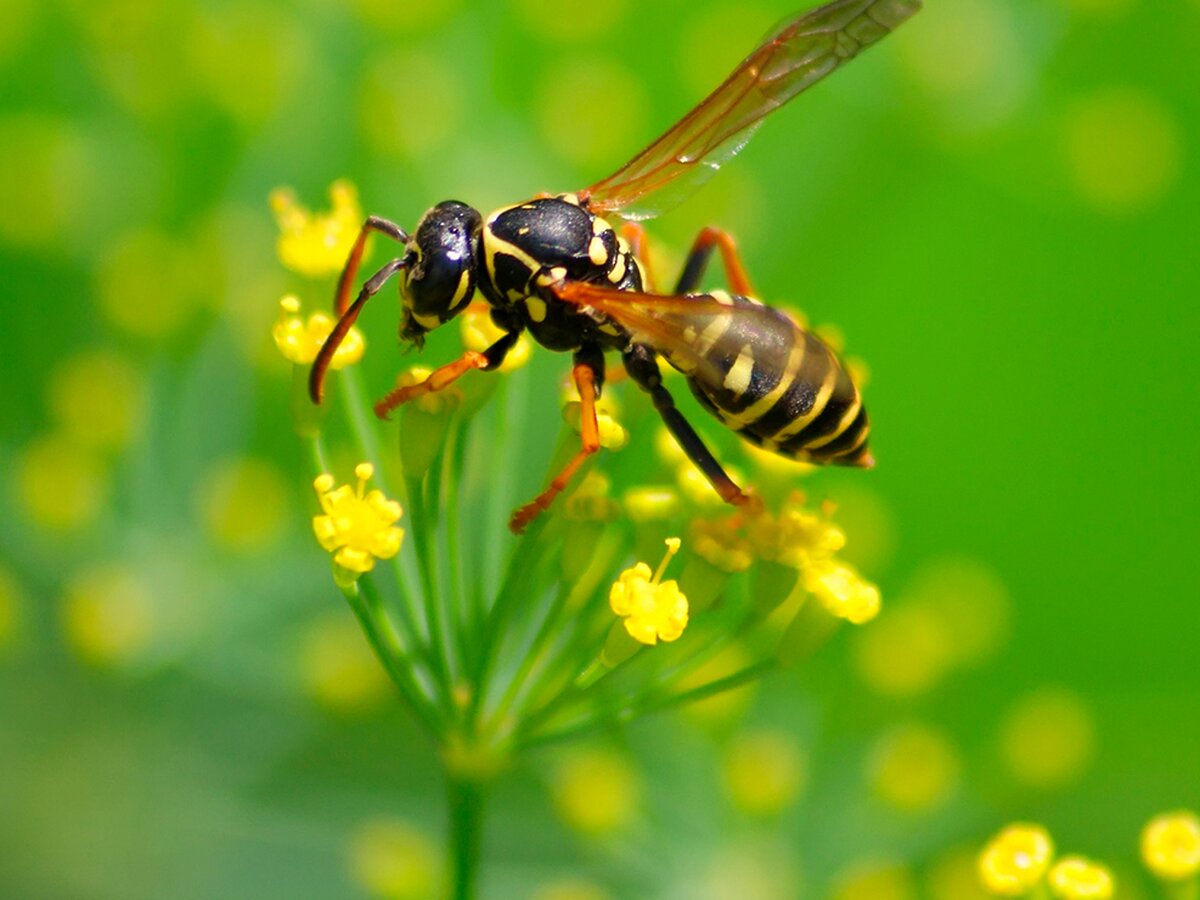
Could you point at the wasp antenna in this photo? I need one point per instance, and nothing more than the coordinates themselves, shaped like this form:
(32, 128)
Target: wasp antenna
(316, 376)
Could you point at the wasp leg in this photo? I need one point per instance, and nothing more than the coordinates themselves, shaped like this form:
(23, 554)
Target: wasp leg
(346, 279)
(589, 376)
(642, 366)
(316, 375)
(693, 270)
(441, 378)
(635, 234)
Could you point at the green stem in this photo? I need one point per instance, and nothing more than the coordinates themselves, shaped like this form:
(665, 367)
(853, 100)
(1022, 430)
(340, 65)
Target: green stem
(466, 802)
(423, 539)
(367, 605)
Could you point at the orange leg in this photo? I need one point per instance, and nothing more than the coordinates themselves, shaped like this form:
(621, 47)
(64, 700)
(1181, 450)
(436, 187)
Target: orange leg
(697, 262)
(439, 380)
(373, 224)
(585, 381)
(635, 234)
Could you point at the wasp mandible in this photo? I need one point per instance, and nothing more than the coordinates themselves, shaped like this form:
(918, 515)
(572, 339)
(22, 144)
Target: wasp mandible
(556, 266)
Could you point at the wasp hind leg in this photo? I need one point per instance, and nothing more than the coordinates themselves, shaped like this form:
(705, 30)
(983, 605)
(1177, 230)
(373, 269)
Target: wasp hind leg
(441, 378)
(642, 366)
(706, 241)
(589, 377)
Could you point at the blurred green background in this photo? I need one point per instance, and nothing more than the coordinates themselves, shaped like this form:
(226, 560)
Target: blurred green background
(997, 208)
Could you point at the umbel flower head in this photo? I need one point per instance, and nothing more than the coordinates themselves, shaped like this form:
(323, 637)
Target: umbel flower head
(653, 609)
(1171, 845)
(358, 526)
(317, 244)
(300, 340)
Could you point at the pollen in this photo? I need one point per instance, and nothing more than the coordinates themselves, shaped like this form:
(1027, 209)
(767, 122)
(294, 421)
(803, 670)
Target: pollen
(1077, 878)
(653, 609)
(300, 340)
(317, 244)
(1171, 845)
(479, 332)
(357, 526)
(1016, 860)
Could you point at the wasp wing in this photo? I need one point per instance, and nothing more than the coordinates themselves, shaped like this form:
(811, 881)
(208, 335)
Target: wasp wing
(797, 54)
(701, 335)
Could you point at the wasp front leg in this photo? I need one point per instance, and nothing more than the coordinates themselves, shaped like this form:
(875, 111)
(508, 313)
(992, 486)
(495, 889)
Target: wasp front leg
(642, 366)
(589, 377)
(697, 262)
(441, 378)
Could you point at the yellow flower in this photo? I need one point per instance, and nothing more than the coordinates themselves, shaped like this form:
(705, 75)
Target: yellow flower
(1171, 845)
(1015, 860)
(612, 435)
(796, 537)
(1076, 878)
(720, 543)
(843, 592)
(914, 768)
(317, 244)
(652, 610)
(479, 332)
(299, 341)
(357, 527)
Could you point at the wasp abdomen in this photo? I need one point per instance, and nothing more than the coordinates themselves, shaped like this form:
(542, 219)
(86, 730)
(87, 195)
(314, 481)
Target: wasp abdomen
(778, 385)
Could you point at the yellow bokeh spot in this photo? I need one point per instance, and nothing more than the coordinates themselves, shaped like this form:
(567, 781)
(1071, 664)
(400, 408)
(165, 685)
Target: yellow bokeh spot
(1171, 845)
(404, 16)
(954, 875)
(914, 768)
(556, 21)
(47, 164)
(970, 601)
(1123, 148)
(721, 544)
(764, 772)
(393, 859)
(651, 503)
(300, 340)
(570, 889)
(863, 512)
(1016, 860)
(97, 398)
(906, 652)
(596, 791)
(1047, 739)
(653, 610)
(590, 502)
(411, 103)
(668, 448)
(61, 486)
(337, 667)
(109, 616)
(843, 592)
(479, 332)
(12, 600)
(149, 284)
(357, 526)
(316, 244)
(761, 869)
(715, 38)
(244, 504)
(573, 92)
(876, 881)
(1077, 878)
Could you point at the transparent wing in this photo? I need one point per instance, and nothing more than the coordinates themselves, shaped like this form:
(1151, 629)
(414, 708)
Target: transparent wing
(799, 53)
(676, 327)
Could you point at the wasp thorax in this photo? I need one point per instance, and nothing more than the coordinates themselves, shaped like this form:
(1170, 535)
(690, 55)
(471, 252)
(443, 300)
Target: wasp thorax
(440, 278)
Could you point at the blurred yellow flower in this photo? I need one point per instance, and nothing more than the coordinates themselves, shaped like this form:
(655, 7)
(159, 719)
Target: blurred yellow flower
(108, 615)
(906, 652)
(1016, 860)
(393, 859)
(876, 880)
(914, 768)
(796, 537)
(11, 601)
(764, 772)
(357, 527)
(596, 791)
(338, 669)
(721, 543)
(1171, 845)
(299, 341)
(317, 244)
(61, 486)
(151, 284)
(479, 332)
(1048, 738)
(243, 503)
(1077, 878)
(652, 610)
(843, 592)
(651, 503)
(97, 397)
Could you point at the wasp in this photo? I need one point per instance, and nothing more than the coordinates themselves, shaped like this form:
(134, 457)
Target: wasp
(556, 266)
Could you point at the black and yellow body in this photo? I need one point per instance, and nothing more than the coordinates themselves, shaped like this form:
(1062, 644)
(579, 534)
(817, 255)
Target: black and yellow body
(554, 266)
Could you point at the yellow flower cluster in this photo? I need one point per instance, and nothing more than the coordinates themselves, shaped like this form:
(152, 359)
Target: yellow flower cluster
(317, 244)
(1078, 878)
(1018, 860)
(357, 526)
(653, 609)
(1171, 845)
(299, 340)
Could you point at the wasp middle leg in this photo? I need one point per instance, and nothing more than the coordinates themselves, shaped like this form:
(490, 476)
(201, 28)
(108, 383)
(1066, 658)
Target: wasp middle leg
(441, 378)
(707, 240)
(642, 366)
(589, 379)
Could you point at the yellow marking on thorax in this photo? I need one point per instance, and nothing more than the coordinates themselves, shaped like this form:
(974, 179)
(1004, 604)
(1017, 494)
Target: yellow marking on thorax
(537, 308)
(617, 272)
(597, 252)
(460, 293)
(427, 322)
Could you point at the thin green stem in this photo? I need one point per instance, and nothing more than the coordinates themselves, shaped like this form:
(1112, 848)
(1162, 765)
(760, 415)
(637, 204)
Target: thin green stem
(389, 648)
(466, 802)
(423, 534)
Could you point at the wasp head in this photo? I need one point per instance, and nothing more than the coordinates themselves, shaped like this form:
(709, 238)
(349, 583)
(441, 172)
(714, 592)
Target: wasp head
(440, 277)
